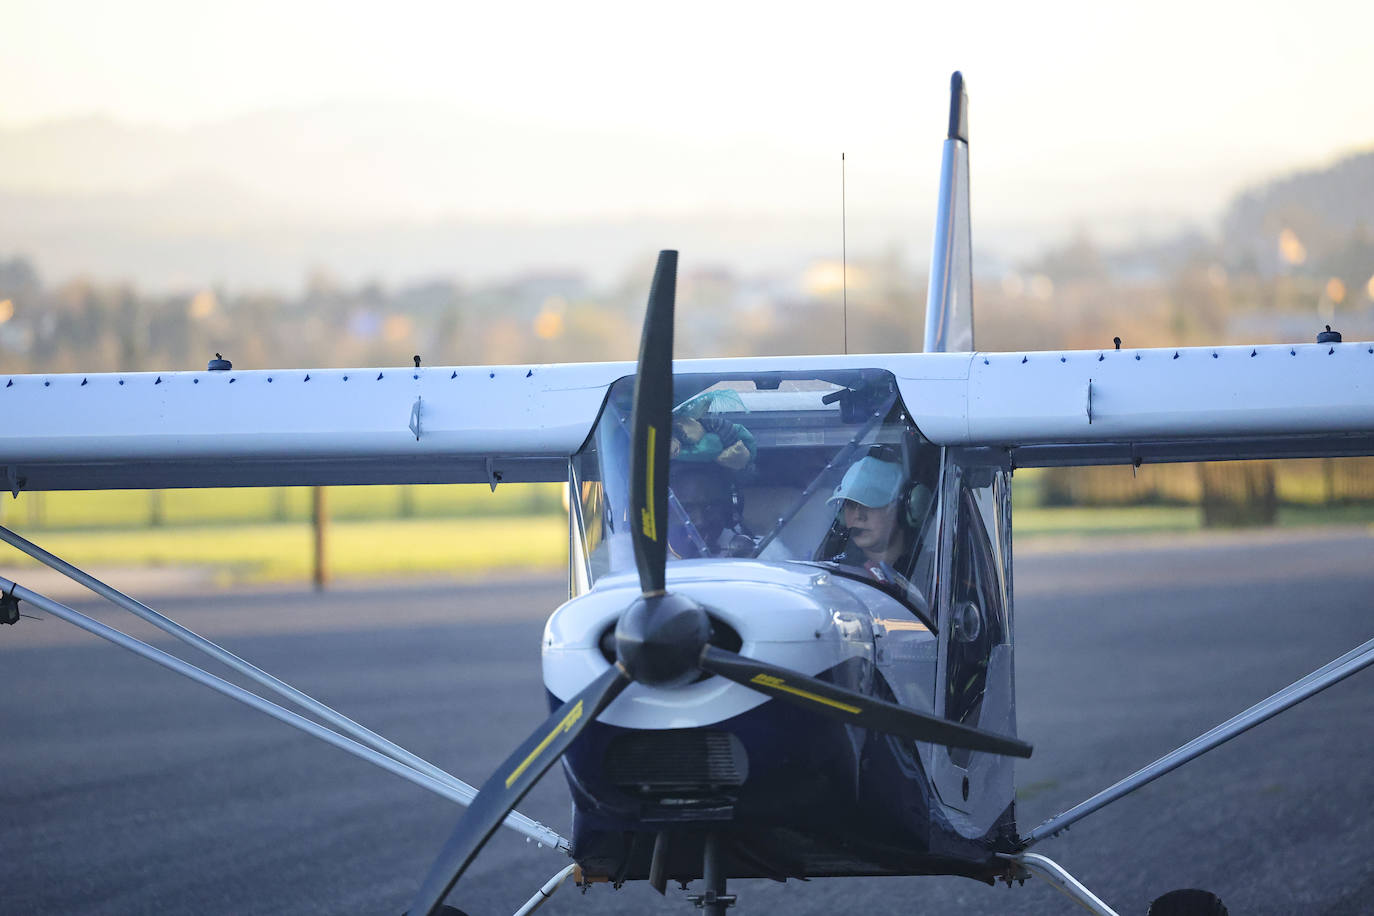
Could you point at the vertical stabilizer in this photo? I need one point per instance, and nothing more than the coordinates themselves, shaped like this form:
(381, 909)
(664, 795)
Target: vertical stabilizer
(949, 303)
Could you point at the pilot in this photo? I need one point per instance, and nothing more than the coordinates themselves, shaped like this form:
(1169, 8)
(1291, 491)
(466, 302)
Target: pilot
(878, 516)
(706, 494)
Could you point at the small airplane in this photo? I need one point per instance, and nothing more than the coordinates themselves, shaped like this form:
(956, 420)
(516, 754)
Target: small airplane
(789, 577)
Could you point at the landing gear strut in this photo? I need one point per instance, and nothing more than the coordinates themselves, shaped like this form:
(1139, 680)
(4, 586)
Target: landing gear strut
(714, 902)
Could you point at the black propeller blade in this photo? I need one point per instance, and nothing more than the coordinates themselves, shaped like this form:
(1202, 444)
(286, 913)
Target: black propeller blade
(651, 427)
(512, 779)
(854, 708)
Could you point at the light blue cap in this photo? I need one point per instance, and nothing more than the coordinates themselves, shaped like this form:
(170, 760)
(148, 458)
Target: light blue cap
(870, 482)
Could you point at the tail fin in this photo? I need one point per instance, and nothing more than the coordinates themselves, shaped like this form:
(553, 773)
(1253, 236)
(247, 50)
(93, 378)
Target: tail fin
(949, 302)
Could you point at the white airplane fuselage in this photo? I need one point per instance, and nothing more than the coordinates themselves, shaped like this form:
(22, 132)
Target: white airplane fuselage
(797, 795)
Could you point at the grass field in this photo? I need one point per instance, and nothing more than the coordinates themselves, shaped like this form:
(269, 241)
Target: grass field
(279, 552)
(284, 552)
(63, 510)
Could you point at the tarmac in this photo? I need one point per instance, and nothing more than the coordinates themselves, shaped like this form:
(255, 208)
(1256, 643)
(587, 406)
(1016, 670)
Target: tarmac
(128, 789)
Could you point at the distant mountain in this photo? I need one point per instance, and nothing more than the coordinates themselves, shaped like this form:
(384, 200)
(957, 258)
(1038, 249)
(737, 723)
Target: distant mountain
(1314, 222)
(395, 193)
(188, 236)
(374, 161)
(1327, 213)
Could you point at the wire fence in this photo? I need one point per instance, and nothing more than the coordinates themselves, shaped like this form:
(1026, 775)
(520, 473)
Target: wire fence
(1229, 492)
(61, 510)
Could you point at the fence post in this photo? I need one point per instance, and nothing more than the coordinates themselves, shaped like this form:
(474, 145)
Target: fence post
(1238, 494)
(320, 525)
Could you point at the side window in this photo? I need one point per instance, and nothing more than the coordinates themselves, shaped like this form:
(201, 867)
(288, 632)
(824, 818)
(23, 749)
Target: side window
(977, 617)
(593, 525)
(924, 505)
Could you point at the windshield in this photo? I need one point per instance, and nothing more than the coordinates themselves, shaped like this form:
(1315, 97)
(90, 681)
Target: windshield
(821, 467)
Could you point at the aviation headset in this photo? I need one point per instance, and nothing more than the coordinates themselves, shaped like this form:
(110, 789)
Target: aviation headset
(913, 503)
(915, 497)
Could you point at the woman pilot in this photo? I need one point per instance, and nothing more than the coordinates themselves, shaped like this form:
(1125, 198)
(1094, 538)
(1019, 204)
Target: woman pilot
(881, 514)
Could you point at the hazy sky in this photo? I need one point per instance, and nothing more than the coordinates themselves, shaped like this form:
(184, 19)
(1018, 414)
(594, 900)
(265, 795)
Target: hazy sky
(1077, 108)
(815, 73)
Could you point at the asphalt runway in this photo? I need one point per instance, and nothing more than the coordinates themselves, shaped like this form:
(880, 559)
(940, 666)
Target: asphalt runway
(127, 789)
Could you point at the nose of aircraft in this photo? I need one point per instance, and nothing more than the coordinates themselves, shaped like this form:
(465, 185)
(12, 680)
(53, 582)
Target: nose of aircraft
(659, 639)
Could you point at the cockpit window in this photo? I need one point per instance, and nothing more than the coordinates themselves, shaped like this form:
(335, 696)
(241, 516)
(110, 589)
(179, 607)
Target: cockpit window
(822, 467)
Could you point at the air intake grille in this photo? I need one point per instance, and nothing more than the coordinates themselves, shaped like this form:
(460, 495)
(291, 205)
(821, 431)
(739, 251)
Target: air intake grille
(676, 761)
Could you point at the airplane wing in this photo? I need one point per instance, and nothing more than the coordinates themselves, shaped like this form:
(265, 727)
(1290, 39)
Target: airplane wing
(1056, 408)
(285, 427)
(521, 423)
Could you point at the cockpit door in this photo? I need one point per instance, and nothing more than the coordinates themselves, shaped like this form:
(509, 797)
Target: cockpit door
(974, 673)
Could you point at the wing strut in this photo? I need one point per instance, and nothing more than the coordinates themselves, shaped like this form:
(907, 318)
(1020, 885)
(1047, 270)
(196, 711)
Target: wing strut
(363, 739)
(247, 697)
(1337, 670)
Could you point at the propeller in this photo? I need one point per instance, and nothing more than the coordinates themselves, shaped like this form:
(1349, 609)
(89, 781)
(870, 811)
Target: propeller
(662, 639)
(651, 428)
(512, 780)
(854, 708)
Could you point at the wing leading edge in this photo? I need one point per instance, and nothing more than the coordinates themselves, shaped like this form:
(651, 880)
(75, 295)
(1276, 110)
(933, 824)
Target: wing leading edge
(521, 423)
(1152, 405)
(298, 427)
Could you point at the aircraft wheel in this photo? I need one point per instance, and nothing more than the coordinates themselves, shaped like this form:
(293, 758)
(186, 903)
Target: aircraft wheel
(1190, 902)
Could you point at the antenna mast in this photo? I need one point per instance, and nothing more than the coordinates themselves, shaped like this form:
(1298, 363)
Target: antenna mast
(844, 258)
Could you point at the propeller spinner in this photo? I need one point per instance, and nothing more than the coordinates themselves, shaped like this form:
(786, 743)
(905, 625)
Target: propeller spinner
(662, 638)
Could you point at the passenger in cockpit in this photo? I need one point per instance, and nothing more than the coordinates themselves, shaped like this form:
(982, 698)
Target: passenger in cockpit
(707, 453)
(708, 497)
